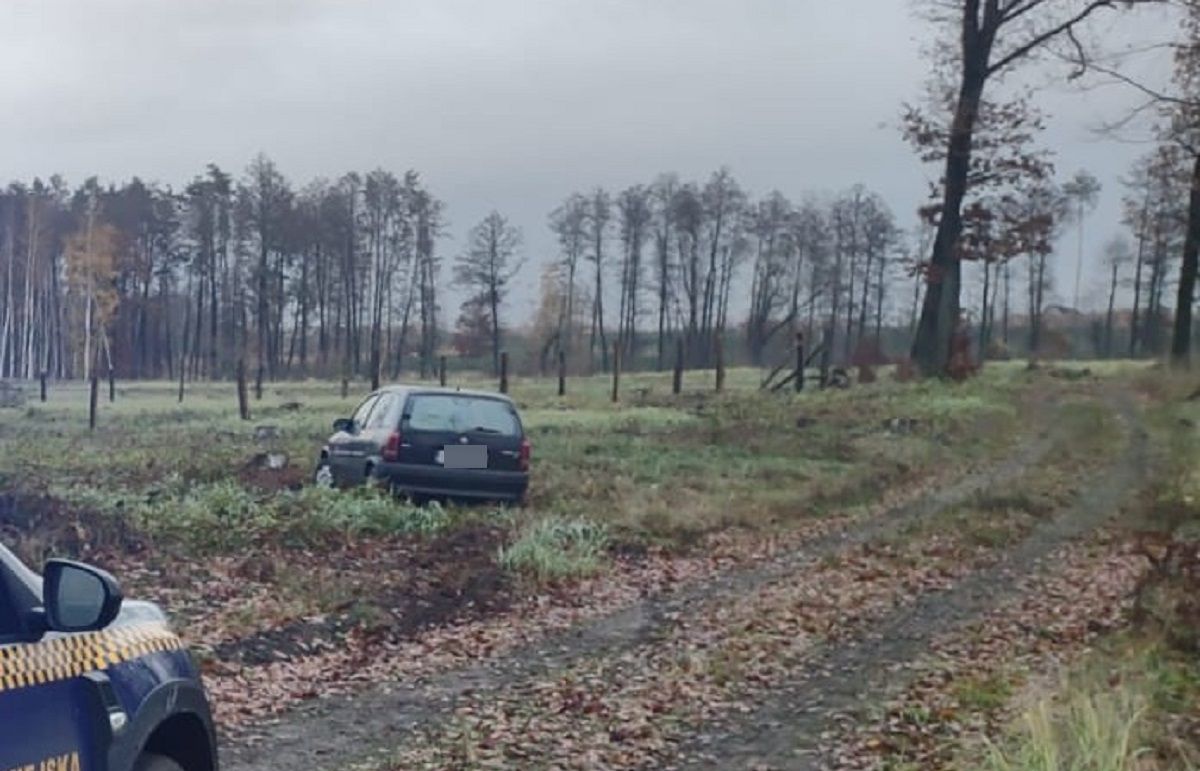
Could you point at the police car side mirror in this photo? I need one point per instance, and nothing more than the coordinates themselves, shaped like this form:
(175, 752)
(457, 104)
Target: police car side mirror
(344, 424)
(78, 597)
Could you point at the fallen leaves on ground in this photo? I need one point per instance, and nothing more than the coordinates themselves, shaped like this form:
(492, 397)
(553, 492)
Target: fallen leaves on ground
(961, 690)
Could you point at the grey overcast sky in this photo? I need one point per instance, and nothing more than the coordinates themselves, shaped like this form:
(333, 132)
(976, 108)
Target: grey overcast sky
(505, 104)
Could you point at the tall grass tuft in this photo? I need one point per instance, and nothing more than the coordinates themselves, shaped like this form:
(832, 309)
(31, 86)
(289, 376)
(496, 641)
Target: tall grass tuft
(1093, 732)
(553, 549)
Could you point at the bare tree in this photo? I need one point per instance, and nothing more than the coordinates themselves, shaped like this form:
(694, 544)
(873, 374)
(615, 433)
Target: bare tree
(569, 225)
(771, 228)
(1117, 255)
(487, 267)
(1082, 191)
(635, 216)
(599, 215)
(663, 193)
(722, 205)
(1030, 225)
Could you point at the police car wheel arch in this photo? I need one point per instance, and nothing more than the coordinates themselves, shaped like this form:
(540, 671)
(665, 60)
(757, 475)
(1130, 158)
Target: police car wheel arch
(167, 701)
(100, 699)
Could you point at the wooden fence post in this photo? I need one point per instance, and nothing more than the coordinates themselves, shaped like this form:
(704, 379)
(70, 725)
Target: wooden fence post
(677, 382)
(93, 397)
(504, 372)
(616, 392)
(345, 387)
(562, 373)
(799, 380)
(243, 402)
(42, 378)
(112, 385)
(720, 365)
(442, 371)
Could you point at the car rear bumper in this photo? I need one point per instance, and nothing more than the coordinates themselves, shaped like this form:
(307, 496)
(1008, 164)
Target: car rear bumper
(477, 484)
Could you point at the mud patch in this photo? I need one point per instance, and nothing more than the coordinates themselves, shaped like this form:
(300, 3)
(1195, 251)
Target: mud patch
(300, 638)
(257, 476)
(38, 526)
(405, 590)
(453, 577)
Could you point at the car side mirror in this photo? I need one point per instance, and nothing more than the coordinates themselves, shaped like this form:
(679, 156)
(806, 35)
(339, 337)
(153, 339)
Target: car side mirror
(344, 424)
(79, 597)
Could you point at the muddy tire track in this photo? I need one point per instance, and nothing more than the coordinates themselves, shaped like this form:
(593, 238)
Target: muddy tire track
(328, 733)
(786, 729)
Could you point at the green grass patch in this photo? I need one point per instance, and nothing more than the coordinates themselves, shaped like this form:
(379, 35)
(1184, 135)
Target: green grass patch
(225, 516)
(983, 693)
(655, 468)
(551, 549)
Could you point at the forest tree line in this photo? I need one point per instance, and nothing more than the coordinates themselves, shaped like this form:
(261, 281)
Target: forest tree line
(345, 277)
(145, 280)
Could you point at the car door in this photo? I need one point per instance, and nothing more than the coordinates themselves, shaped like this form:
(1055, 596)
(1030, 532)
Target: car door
(344, 454)
(50, 714)
(377, 426)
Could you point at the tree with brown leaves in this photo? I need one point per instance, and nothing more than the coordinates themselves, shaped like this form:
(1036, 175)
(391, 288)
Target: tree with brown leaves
(992, 38)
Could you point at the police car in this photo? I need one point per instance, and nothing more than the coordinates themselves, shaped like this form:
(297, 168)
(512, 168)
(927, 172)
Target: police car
(89, 682)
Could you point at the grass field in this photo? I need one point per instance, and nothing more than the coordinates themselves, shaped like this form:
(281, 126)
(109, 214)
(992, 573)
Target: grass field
(267, 575)
(653, 469)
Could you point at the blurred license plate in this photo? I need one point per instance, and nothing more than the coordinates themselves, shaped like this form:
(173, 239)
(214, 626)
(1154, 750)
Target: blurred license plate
(464, 456)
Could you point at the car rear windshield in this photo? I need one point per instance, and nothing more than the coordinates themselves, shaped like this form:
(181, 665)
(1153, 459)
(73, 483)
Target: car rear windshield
(461, 414)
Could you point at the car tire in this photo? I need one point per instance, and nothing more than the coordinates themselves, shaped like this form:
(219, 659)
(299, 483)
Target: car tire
(323, 475)
(151, 762)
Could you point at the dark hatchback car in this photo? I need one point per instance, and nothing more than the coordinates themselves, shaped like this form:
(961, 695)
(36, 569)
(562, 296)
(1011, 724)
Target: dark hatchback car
(430, 443)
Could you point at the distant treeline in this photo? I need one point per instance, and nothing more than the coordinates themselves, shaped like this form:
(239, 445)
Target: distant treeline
(344, 277)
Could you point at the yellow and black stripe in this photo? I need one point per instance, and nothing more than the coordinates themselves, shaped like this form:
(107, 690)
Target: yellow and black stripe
(61, 658)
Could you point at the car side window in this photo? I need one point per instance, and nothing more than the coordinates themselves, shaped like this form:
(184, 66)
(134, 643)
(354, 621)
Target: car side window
(382, 413)
(364, 410)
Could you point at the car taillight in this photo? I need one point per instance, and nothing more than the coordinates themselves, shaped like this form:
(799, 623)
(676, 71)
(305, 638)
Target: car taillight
(526, 454)
(391, 450)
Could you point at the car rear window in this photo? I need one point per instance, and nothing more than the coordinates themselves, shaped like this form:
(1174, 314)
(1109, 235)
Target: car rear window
(461, 414)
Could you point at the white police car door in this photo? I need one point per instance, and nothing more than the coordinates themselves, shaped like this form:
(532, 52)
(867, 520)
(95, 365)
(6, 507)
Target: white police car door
(48, 714)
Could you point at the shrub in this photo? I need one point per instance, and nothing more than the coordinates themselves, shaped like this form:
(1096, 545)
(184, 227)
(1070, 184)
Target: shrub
(553, 549)
(1094, 732)
(224, 515)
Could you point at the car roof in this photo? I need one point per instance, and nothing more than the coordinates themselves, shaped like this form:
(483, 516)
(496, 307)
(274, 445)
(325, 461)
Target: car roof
(404, 388)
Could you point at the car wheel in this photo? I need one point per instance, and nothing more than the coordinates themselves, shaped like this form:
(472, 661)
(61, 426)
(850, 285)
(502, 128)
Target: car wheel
(149, 762)
(323, 476)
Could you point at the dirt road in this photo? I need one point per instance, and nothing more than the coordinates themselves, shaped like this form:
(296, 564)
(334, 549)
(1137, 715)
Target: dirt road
(778, 726)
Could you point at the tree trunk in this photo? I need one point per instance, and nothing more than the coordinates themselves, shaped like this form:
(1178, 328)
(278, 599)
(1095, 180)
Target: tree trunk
(662, 306)
(1134, 323)
(983, 318)
(879, 295)
(1181, 340)
(940, 310)
(494, 301)
(1108, 317)
(1004, 322)
(864, 303)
